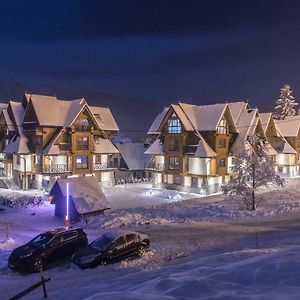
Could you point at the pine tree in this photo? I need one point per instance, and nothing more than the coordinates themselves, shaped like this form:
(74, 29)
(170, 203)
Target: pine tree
(253, 169)
(285, 103)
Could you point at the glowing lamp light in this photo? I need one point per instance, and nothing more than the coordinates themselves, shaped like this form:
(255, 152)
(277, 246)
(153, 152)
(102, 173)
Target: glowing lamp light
(67, 221)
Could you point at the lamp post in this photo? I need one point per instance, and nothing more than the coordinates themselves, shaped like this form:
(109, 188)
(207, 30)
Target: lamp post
(25, 175)
(67, 220)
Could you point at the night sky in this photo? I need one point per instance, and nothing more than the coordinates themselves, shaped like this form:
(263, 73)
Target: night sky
(193, 51)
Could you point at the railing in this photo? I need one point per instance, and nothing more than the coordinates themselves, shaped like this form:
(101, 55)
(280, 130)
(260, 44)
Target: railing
(156, 167)
(103, 166)
(56, 168)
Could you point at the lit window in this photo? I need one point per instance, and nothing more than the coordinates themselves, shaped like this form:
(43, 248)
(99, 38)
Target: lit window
(174, 125)
(82, 124)
(174, 163)
(222, 163)
(81, 162)
(223, 127)
(82, 143)
(222, 143)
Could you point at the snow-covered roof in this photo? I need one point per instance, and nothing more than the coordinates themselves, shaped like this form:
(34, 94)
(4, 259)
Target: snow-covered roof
(155, 125)
(104, 118)
(17, 145)
(236, 108)
(156, 148)
(247, 123)
(182, 117)
(75, 108)
(203, 150)
(269, 149)
(104, 146)
(8, 121)
(3, 106)
(289, 126)
(204, 117)
(265, 120)
(133, 155)
(85, 192)
(281, 145)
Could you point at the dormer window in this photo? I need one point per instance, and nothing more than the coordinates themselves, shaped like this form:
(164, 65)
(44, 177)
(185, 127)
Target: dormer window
(174, 125)
(223, 127)
(82, 124)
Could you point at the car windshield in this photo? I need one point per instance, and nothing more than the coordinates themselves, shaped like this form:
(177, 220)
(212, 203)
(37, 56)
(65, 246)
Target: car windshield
(41, 240)
(102, 242)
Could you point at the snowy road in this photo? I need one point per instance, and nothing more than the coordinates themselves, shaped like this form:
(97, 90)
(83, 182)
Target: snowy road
(198, 251)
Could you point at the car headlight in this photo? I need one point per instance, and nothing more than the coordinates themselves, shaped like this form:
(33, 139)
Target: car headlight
(25, 254)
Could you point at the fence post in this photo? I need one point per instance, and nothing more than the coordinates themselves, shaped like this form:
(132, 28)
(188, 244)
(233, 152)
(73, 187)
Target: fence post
(7, 231)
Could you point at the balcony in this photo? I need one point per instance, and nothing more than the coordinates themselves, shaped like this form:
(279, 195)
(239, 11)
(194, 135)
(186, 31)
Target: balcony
(103, 166)
(56, 169)
(156, 167)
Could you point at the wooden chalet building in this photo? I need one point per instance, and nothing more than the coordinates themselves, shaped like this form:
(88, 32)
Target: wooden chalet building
(192, 147)
(44, 138)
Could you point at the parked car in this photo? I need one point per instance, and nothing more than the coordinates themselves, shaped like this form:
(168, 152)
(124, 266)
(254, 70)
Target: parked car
(110, 247)
(46, 248)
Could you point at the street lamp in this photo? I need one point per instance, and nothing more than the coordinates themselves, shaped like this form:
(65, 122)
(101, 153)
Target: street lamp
(67, 220)
(25, 175)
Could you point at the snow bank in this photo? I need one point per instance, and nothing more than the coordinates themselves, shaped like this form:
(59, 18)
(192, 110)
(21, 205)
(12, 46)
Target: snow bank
(14, 198)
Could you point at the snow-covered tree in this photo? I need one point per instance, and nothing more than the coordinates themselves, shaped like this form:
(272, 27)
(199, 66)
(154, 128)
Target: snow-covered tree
(253, 169)
(285, 104)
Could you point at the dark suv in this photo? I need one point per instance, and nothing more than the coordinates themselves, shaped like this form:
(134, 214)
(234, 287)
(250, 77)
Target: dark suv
(112, 246)
(46, 248)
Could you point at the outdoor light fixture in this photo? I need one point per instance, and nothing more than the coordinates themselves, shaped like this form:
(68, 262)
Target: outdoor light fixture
(67, 221)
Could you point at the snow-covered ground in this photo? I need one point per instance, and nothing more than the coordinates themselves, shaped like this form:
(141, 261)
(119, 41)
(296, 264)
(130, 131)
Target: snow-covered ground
(202, 247)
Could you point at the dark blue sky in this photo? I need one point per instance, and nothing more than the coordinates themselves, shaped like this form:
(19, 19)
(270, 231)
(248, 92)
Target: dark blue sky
(194, 51)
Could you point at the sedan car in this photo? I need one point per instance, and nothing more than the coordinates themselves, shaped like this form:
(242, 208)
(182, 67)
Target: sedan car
(47, 247)
(110, 247)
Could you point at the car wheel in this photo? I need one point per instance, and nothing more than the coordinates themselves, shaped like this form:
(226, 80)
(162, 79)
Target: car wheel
(141, 250)
(38, 265)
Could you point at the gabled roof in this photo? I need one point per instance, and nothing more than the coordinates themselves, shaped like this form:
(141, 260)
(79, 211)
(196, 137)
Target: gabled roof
(85, 192)
(281, 145)
(75, 107)
(8, 121)
(265, 120)
(203, 150)
(104, 146)
(104, 118)
(182, 117)
(156, 124)
(3, 106)
(133, 155)
(17, 145)
(204, 117)
(236, 108)
(247, 123)
(289, 126)
(156, 148)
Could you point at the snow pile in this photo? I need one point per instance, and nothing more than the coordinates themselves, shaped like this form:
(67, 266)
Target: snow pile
(11, 198)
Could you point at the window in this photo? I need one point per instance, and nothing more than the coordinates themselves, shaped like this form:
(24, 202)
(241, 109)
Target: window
(174, 125)
(18, 159)
(82, 143)
(81, 162)
(56, 241)
(37, 160)
(194, 182)
(173, 144)
(177, 180)
(98, 118)
(223, 127)
(222, 163)
(70, 235)
(131, 238)
(174, 163)
(82, 124)
(222, 143)
(119, 243)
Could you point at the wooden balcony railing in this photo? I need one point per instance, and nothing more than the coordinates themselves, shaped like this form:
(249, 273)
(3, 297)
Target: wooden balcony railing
(56, 168)
(155, 167)
(103, 166)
